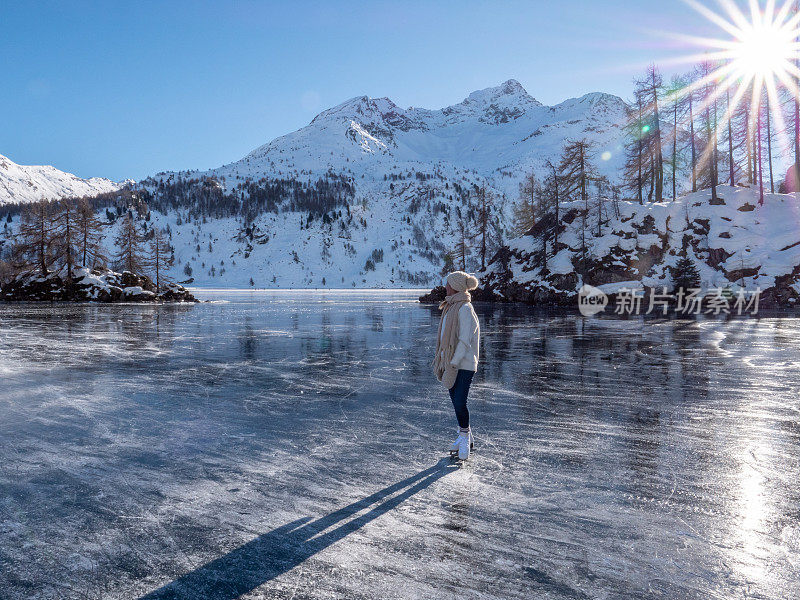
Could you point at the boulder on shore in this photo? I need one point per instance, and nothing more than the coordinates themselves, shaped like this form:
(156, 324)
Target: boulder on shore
(91, 285)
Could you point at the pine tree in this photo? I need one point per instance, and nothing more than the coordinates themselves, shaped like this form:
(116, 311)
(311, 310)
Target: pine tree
(742, 121)
(90, 231)
(66, 233)
(685, 275)
(645, 162)
(636, 132)
(654, 83)
(461, 250)
(160, 257)
(601, 186)
(713, 128)
(524, 217)
(34, 241)
(768, 119)
(755, 133)
(759, 162)
(448, 263)
(576, 169)
(690, 97)
(576, 172)
(546, 214)
(129, 242)
(731, 162)
(524, 210)
(729, 119)
(796, 97)
(552, 193)
(710, 157)
(674, 95)
(488, 228)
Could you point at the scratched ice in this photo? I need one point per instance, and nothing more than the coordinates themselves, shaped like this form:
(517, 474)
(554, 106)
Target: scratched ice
(288, 445)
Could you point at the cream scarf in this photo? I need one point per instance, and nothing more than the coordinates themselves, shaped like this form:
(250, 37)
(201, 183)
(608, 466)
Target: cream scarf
(446, 344)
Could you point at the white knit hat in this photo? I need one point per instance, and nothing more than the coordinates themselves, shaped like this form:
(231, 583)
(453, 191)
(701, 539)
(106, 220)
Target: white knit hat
(462, 282)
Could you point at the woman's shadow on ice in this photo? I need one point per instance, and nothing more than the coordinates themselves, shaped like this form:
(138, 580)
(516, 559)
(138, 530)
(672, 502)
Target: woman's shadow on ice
(269, 555)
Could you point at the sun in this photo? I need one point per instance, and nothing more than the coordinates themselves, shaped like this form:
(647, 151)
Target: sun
(753, 67)
(765, 47)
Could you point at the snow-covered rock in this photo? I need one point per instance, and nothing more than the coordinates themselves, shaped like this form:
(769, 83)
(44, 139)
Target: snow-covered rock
(21, 183)
(95, 285)
(735, 244)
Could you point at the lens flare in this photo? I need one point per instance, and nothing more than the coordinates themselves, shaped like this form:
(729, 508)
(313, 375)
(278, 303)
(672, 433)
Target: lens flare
(765, 49)
(761, 48)
(751, 67)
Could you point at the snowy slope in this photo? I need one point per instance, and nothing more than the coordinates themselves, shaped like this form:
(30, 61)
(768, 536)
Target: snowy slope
(21, 183)
(411, 170)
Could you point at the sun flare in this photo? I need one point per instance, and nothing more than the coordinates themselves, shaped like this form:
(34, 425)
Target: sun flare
(764, 50)
(763, 45)
(754, 66)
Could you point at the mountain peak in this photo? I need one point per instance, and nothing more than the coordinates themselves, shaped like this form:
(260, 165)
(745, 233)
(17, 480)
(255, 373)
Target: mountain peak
(501, 120)
(500, 104)
(595, 101)
(512, 86)
(359, 108)
(510, 91)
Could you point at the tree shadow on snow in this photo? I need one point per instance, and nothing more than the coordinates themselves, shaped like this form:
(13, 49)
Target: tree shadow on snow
(282, 549)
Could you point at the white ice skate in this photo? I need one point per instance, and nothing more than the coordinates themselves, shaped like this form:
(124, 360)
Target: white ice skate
(454, 445)
(462, 445)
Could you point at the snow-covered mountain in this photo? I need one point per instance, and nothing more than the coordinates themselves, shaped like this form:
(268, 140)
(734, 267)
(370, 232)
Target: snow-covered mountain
(372, 195)
(410, 172)
(499, 133)
(23, 183)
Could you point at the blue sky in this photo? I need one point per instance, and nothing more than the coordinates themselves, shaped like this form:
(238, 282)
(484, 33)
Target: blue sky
(126, 89)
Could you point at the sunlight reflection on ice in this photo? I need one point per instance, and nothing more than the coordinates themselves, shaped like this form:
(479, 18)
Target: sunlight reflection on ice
(613, 458)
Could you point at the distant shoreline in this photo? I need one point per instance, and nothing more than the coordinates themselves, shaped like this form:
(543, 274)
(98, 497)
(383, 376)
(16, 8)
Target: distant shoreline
(261, 289)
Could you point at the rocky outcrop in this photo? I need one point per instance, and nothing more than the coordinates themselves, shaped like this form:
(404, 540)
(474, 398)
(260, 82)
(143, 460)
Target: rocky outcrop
(734, 243)
(95, 285)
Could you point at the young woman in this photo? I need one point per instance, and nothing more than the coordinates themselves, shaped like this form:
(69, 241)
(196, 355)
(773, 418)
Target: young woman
(457, 350)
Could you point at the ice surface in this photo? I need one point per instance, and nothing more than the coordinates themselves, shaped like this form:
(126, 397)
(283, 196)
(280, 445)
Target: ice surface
(289, 445)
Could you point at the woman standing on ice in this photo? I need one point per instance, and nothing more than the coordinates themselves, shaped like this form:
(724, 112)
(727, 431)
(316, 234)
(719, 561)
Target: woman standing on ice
(457, 350)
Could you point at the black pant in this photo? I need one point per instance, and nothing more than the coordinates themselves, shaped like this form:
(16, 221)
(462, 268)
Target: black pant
(458, 394)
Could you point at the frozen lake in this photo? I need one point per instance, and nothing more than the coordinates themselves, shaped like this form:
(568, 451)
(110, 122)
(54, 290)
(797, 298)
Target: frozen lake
(290, 445)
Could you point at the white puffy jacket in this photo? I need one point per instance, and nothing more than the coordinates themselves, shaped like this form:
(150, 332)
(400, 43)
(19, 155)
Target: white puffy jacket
(468, 349)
